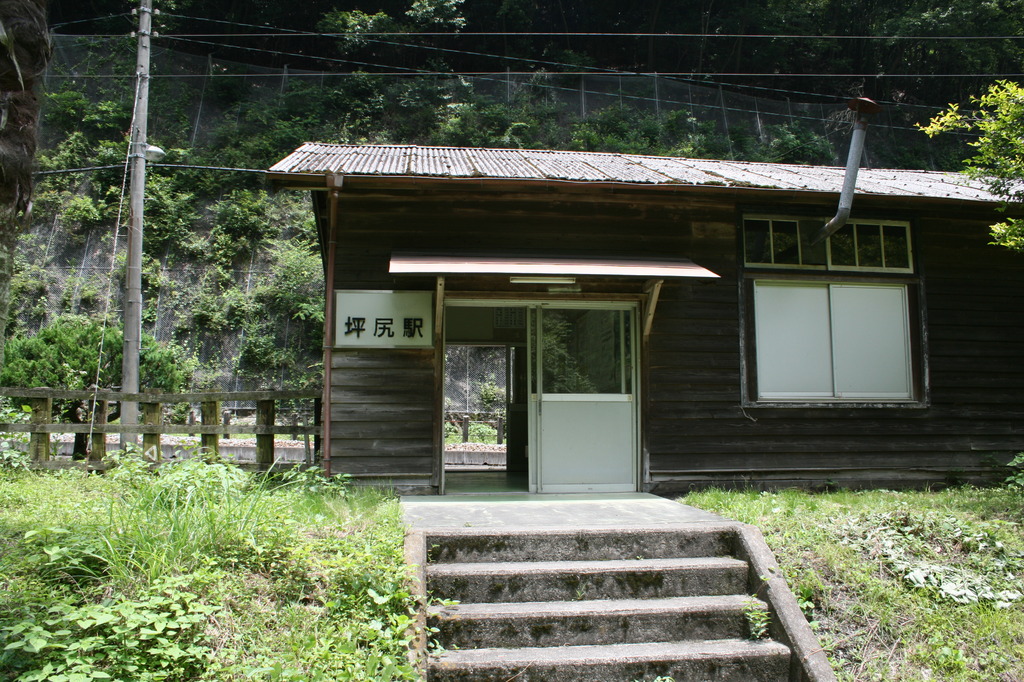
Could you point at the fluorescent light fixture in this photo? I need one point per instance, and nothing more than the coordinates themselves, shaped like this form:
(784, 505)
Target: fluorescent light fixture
(534, 279)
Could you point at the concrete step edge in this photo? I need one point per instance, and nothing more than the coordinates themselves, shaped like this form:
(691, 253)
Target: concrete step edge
(610, 653)
(506, 568)
(474, 545)
(595, 607)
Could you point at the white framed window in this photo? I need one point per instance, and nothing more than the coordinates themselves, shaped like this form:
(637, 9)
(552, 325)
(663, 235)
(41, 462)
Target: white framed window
(821, 341)
(865, 246)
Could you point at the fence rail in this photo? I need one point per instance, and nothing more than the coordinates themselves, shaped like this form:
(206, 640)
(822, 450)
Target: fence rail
(462, 421)
(41, 424)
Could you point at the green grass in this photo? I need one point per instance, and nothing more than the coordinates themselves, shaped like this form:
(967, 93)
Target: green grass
(900, 585)
(204, 572)
(209, 573)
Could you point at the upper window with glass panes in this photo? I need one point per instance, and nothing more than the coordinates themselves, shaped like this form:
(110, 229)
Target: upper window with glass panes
(863, 245)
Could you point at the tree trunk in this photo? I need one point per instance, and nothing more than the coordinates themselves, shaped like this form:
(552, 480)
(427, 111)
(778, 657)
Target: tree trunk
(24, 52)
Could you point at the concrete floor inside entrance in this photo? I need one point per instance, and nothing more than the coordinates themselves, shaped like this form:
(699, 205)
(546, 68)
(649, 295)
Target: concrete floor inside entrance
(476, 481)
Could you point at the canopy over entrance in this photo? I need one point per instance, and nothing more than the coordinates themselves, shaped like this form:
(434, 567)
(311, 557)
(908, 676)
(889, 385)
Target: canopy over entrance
(420, 263)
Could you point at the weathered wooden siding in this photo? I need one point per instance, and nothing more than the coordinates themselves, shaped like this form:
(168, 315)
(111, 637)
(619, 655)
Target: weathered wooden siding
(697, 430)
(699, 434)
(382, 414)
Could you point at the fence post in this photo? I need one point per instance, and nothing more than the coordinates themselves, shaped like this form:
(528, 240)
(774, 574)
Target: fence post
(98, 449)
(39, 443)
(211, 417)
(151, 415)
(465, 428)
(318, 406)
(500, 428)
(265, 415)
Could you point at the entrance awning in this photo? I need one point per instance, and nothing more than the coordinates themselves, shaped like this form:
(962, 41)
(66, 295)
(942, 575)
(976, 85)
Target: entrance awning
(419, 263)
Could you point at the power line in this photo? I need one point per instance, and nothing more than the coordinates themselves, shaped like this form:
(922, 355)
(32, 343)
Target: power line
(408, 72)
(553, 34)
(703, 82)
(83, 21)
(85, 169)
(405, 71)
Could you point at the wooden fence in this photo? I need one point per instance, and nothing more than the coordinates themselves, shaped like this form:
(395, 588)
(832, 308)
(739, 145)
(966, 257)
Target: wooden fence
(41, 424)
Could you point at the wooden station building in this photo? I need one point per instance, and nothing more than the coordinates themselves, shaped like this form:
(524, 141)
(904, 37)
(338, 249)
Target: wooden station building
(669, 323)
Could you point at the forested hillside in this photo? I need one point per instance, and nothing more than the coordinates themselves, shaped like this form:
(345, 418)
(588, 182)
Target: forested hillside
(232, 274)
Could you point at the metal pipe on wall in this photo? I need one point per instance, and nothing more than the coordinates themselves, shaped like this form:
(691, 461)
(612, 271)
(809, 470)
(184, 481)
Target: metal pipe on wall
(864, 108)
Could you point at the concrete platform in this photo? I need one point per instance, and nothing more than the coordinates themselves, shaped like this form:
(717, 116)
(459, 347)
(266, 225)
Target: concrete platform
(525, 510)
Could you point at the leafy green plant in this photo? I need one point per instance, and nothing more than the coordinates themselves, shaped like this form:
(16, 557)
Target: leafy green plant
(962, 562)
(1016, 477)
(482, 432)
(804, 594)
(313, 481)
(13, 446)
(452, 433)
(758, 618)
(156, 636)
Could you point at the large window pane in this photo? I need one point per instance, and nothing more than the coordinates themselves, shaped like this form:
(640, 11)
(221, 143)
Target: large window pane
(870, 342)
(832, 341)
(585, 351)
(794, 357)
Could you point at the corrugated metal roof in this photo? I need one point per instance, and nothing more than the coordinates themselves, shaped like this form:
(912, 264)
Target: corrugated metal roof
(314, 158)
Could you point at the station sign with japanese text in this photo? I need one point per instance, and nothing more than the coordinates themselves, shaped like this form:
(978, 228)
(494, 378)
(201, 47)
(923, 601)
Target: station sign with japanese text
(383, 319)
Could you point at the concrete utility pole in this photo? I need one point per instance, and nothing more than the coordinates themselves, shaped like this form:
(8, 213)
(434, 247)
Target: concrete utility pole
(133, 272)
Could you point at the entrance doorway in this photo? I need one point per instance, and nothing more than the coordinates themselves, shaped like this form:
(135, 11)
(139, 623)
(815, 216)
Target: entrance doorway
(565, 417)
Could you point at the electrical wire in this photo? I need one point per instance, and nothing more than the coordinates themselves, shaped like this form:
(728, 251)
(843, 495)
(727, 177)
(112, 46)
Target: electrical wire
(500, 76)
(113, 261)
(556, 34)
(460, 34)
(83, 21)
(407, 72)
(403, 71)
(61, 171)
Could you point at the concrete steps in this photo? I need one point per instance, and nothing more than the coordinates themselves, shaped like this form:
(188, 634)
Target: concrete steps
(561, 623)
(719, 660)
(594, 605)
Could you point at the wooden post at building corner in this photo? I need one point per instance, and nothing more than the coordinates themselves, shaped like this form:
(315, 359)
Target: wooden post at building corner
(39, 443)
(265, 416)
(211, 417)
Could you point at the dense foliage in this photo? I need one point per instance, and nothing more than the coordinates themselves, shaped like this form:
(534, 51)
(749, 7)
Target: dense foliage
(202, 572)
(998, 115)
(75, 353)
(891, 49)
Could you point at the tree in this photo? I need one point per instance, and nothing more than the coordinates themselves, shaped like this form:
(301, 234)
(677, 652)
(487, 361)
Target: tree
(76, 353)
(999, 160)
(24, 52)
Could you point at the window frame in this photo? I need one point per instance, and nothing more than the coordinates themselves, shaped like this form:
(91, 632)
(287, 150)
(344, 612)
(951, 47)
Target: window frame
(911, 279)
(828, 355)
(828, 265)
